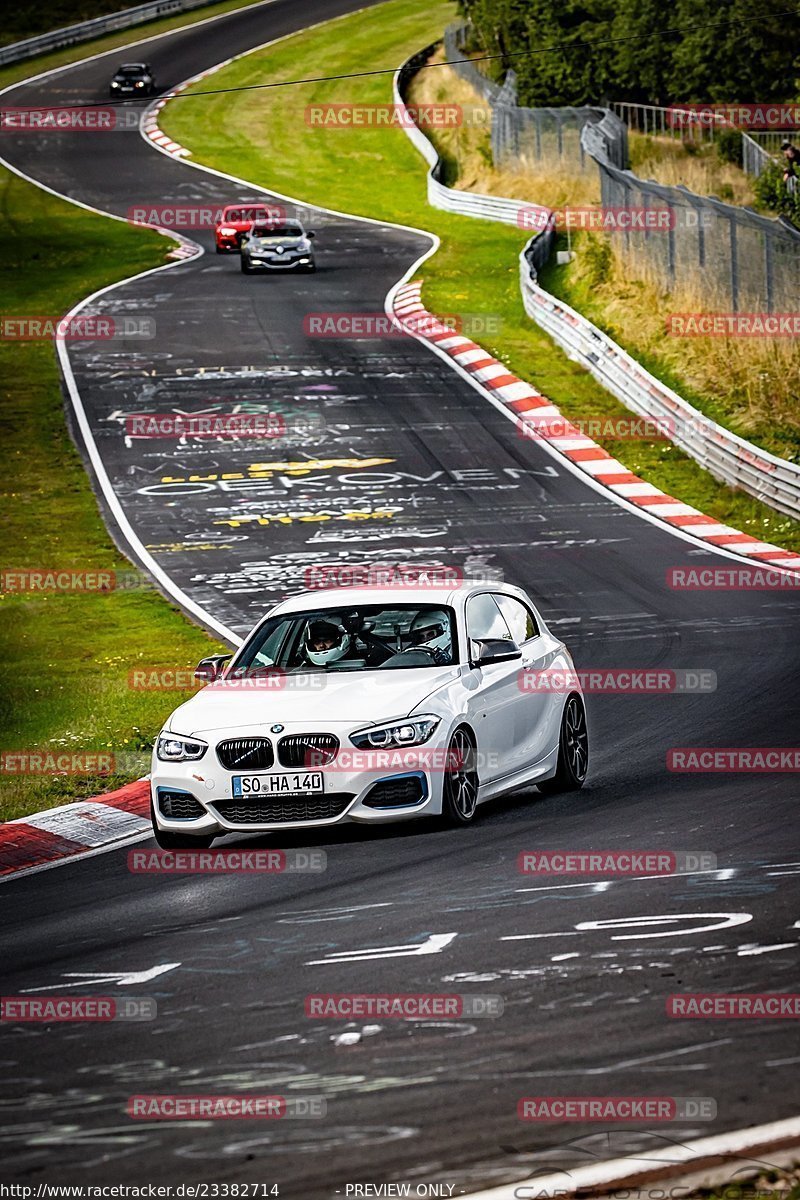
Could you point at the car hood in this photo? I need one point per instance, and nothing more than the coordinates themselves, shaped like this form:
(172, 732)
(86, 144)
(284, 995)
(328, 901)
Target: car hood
(273, 243)
(324, 699)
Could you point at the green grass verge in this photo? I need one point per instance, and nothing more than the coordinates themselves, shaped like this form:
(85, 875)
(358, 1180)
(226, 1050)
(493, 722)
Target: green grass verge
(65, 658)
(263, 136)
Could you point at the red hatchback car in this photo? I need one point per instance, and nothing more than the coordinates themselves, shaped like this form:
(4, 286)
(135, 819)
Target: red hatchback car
(237, 219)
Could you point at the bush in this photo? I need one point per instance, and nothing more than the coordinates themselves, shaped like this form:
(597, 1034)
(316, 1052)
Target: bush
(770, 191)
(728, 144)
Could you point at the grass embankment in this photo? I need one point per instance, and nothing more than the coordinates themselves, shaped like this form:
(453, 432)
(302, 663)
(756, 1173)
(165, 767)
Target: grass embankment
(65, 658)
(750, 385)
(695, 164)
(263, 136)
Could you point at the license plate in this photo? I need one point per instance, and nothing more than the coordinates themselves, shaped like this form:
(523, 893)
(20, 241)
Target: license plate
(290, 783)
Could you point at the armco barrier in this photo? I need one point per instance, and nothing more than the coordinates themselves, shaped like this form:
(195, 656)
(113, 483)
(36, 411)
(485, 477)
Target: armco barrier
(729, 458)
(84, 31)
(726, 456)
(468, 204)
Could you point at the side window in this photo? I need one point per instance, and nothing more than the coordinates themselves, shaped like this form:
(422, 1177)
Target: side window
(484, 619)
(519, 617)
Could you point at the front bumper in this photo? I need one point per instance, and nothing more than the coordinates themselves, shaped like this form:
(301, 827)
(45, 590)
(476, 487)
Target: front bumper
(374, 796)
(280, 262)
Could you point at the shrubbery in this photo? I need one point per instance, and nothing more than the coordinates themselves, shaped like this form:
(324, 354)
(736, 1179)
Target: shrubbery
(752, 56)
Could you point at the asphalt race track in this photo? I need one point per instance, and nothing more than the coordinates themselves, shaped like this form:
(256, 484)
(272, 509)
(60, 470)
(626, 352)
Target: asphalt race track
(435, 474)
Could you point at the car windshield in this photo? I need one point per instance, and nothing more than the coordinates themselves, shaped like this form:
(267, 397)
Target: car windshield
(134, 72)
(359, 637)
(277, 231)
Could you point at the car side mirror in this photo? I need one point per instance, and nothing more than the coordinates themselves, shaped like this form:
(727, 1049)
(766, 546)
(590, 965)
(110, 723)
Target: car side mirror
(209, 669)
(310, 234)
(492, 650)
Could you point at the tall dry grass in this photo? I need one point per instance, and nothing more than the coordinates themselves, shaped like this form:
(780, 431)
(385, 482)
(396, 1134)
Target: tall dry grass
(751, 384)
(696, 165)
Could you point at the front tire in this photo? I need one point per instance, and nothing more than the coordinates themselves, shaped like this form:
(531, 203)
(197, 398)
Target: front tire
(246, 270)
(573, 751)
(460, 786)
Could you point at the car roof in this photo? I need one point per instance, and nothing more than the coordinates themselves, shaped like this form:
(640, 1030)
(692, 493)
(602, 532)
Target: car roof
(138, 65)
(341, 597)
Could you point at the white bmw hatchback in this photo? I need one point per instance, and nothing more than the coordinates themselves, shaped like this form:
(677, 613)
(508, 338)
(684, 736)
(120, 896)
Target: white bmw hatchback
(371, 705)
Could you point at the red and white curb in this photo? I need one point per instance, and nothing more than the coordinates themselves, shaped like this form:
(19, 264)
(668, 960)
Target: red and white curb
(540, 419)
(48, 838)
(149, 123)
(151, 130)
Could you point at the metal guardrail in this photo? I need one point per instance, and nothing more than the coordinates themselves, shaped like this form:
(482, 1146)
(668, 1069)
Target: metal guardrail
(470, 204)
(728, 457)
(84, 31)
(654, 119)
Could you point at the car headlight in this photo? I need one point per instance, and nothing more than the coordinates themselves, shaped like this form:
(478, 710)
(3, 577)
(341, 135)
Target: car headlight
(114, 83)
(139, 83)
(412, 732)
(226, 231)
(304, 244)
(174, 748)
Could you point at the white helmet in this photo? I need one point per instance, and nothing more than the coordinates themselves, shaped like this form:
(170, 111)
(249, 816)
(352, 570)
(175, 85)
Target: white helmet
(431, 629)
(335, 638)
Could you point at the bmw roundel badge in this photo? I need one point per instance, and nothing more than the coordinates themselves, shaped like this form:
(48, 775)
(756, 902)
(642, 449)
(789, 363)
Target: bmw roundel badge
(276, 729)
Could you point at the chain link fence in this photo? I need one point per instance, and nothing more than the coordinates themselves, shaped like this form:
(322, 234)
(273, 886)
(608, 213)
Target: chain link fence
(724, 255)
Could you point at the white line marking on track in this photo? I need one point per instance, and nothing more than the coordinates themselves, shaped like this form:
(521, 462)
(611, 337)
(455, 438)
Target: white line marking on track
(118, 978)
(434, 944)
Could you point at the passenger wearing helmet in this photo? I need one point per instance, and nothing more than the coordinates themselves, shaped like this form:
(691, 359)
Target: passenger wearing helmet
(431, 631)
(325, 642)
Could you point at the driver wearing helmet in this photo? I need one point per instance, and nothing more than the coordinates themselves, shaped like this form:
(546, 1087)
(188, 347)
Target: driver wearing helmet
(431, 631)
(325, 642)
